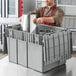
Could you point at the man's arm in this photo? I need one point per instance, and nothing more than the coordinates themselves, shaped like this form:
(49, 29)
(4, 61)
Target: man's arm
(56, 19)
(48, 19)
(44, 19)
(38, 13)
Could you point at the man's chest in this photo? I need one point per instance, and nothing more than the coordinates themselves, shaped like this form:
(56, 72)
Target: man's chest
(47, 12)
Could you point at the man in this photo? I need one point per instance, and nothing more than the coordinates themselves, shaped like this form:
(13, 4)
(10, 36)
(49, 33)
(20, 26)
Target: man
(49, 15)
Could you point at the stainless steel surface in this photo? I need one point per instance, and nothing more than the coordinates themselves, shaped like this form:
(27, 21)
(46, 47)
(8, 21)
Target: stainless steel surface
(27, 23)
(32, 25)
(10, 69)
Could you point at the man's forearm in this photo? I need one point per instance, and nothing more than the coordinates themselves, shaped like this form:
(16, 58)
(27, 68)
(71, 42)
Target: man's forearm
(49, 19)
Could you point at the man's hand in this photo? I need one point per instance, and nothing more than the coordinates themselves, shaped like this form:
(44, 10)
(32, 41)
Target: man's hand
(45, 19)
(35, 20)
(20, 18)
(40, 20)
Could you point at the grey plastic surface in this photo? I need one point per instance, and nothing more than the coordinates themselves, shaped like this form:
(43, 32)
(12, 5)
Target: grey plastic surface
(35, 57)
(18, 34)
(10, 33)
(22, 53)
(13, 50)
(61, 45)
(8, 45)
(40, 52)
(66, 44)
(70, 43)
(56, 46)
